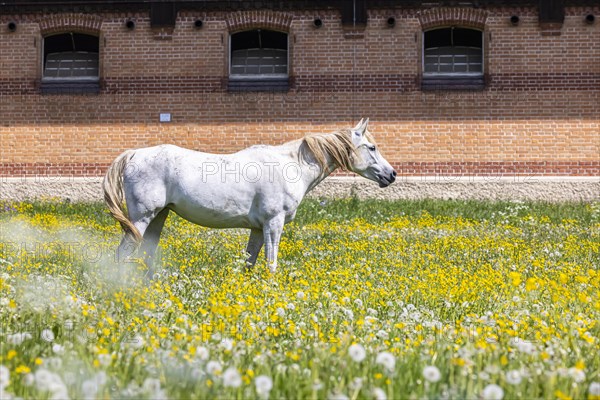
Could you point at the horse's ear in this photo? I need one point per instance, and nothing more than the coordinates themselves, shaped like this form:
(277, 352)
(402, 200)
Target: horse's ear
(361, 126)
(357, 127)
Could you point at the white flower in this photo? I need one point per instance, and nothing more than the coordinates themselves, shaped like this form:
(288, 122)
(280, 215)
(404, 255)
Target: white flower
(357, 352)
(492, 392)
(382, 334)
(47, 335)
(358, 303)
(290, 306)
(213, 367)
(524, 346)
(43, 379)
(594, 389)
(137, 342)
(577, 374)
(356, 383)
(513, 377)
(47, 381)
(4, 377)
(18, 338)
(58, 349)
(104, 359)
(379, 394)
(280, 311)
(202, 353)
(349, 313)
(431, 373)
(263, 384)
(232, 378)
(89, 388)
(151, 385)
(387, 360)
(227, 344)
(300, 295)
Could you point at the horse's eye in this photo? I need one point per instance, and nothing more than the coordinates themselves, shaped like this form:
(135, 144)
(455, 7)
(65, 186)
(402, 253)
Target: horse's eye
(372, 148)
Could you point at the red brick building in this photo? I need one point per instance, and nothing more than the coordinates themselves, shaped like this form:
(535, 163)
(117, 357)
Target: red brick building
(475, 88)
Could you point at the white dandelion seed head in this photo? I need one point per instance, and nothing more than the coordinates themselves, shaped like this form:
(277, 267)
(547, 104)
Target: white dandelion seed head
(4, 377)
(263, 385)
(151, 385)
(280, 311)
(104, 359)
(227, 344)
(290, 306)
(525, 346)
(382, 334)
(357, 352)
(232, 378)
(492, 392)
(300, 295)
(18, 338)
(137, 342)
(47, 335)
(214, 367)
(58, 349)
(513, 377)
(577, 375)
(337, 396)
(356, 383)
(594, 389)
(202, 353)
(349, 314)
(49, 382)
(387, 360)
(29, 379)
(431, 373)
(89, 387)
(379, 394)
(358, 303)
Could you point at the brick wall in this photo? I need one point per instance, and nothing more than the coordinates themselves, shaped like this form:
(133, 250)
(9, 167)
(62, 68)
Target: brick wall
(538, 115)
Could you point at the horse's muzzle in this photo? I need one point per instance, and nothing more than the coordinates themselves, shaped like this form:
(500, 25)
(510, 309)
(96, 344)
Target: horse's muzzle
(385, 181)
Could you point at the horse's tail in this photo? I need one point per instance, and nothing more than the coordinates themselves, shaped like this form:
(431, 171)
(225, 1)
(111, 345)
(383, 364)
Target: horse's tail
(114, 195)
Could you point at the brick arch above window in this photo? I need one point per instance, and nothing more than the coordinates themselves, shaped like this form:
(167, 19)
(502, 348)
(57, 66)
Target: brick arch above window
(58, 23)
(266, 19)
(456, 16)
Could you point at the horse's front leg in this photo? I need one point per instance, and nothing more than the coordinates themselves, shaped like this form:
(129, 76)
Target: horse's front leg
(255, 243)
(272, 235)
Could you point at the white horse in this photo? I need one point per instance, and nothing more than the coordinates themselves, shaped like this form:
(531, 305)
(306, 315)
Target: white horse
(258, 188)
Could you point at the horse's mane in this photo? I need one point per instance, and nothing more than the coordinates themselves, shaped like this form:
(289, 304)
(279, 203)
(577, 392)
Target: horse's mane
(337, 145)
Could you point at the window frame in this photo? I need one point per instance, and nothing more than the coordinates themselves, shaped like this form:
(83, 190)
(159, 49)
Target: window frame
(69, 85)
(258, 82)
(453, 80)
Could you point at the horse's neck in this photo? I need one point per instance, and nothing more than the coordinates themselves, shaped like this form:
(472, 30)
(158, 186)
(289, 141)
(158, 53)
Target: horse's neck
(313, 173)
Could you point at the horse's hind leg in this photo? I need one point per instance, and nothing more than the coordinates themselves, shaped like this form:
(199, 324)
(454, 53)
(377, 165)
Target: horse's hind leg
(151, 239)
(255, 243)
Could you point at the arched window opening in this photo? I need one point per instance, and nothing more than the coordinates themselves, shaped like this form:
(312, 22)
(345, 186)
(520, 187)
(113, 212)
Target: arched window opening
(70, 64)
(453, 51)
(259, 60)
(259, 52)
(71, 56)
(453, 59)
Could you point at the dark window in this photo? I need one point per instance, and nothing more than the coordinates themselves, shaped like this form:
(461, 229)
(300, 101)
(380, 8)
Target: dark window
(259, 60)
(70, 63)
(453, 58)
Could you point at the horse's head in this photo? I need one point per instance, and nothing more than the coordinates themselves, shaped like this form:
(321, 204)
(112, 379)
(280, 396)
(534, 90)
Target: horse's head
(368, 162)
